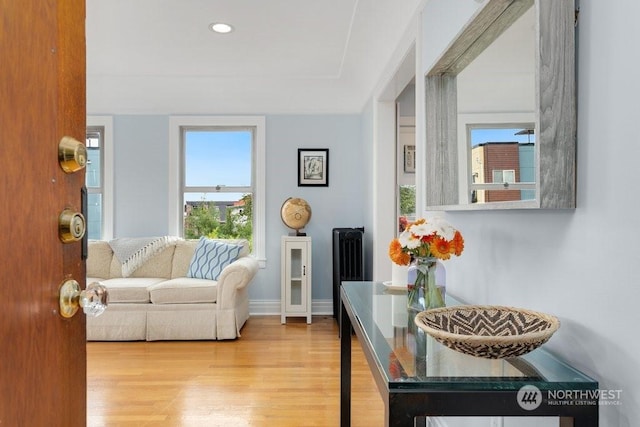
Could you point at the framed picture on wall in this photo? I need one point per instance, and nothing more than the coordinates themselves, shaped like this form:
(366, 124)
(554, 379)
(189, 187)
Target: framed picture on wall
(409, 158)
(313, 167)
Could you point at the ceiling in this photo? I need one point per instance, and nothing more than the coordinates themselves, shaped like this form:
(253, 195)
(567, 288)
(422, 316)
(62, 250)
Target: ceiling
(284, 56)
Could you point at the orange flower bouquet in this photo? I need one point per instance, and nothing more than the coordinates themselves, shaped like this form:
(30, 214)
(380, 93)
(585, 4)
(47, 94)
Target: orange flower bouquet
(426, 242)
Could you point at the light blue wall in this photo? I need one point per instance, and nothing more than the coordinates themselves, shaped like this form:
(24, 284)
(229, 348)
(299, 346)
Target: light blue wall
(141, 150)
(141, 146)
(526, 156)
(341, 204)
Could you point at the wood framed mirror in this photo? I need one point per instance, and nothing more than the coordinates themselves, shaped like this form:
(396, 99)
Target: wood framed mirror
(511, 67)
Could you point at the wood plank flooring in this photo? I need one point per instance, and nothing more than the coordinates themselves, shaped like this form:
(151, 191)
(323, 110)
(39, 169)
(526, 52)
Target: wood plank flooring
(274, 375)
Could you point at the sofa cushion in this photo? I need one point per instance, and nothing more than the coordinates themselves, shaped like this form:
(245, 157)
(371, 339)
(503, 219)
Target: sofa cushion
(99, 259)
(210, 257)
(133, 252)
(130, 289)
(115, 268)
(182, 257)
(186, 248)
(183, 290)
(159, 265)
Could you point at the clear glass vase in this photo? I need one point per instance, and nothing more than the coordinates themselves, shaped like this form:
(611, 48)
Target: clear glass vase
(424, 294)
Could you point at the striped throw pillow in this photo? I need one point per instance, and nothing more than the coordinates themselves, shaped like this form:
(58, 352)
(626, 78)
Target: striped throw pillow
(210, 257)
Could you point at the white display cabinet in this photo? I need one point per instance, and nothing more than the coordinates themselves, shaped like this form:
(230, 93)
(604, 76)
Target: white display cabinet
(295, 277)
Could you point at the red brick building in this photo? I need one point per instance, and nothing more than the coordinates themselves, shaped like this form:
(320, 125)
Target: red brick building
(496, 162)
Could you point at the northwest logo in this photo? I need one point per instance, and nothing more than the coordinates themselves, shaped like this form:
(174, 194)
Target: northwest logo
(529, 397)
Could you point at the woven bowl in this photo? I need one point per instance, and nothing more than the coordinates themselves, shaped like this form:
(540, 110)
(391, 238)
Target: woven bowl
(491, 332)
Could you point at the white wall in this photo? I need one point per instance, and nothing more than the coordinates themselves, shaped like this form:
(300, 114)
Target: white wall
(577, 264)
(367, 158)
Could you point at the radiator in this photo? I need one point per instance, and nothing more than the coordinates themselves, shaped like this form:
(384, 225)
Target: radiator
(348, 261)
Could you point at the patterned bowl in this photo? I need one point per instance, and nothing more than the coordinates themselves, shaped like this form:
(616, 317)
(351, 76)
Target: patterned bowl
(492, 332)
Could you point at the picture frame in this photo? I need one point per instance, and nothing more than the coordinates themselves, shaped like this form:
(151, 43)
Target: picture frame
(313, 167)
(409, 158)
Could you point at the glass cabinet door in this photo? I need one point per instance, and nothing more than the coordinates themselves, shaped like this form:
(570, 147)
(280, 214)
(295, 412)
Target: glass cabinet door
(296, 277)
(295, 291)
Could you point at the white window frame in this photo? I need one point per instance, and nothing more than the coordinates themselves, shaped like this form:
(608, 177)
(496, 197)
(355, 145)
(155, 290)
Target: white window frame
(106, 122)
(469, 121)
(176, 123)
(508, 180)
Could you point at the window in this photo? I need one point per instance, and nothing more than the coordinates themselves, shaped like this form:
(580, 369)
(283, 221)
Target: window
(217, 190)
(405, 170)
(502, 162)
(508, 176)
(217, 186)
(99, 178)
(407, 203)
(94, 181)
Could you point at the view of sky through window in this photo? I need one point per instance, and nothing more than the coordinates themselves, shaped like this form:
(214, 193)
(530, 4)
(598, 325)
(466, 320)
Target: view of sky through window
(217, 158)
(481, 136)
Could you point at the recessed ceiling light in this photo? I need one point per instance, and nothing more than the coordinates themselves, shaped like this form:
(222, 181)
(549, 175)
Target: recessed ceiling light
(220, 27)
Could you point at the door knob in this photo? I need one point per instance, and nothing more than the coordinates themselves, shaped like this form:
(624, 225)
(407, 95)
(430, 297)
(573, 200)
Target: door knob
(71, 226)
(93, 300)
(72, 154)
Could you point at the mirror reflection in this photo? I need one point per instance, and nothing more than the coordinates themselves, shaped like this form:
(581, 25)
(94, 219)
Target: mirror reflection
(498, 84)
(502, 163)
(511, 69)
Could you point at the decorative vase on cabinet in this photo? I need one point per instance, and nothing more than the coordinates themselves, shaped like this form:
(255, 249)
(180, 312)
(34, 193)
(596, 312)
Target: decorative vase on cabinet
(295, 277)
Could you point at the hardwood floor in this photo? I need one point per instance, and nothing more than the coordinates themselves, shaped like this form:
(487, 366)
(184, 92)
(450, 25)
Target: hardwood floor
(274, 375)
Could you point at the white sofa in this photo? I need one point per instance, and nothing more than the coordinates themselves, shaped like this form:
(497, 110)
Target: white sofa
(158, 301)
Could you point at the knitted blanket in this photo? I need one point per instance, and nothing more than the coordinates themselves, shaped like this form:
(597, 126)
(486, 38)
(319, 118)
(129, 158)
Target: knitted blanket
(132, 252)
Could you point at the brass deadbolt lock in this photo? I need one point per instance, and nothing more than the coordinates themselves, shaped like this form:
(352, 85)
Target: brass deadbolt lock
(71, 226)
(72, 154)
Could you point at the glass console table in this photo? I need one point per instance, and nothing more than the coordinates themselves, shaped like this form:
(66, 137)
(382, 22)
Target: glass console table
(419, 377)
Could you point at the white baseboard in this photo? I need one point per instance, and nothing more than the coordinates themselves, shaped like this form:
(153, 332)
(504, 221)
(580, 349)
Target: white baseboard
(272, 307)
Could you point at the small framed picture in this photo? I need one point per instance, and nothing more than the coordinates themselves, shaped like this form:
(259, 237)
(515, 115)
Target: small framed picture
(313, 167)
(410, 158)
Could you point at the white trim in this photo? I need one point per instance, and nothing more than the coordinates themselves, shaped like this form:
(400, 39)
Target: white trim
(398, 74)
(107, 173)
(259, 205)
(384, 184)
(513, 119)
(322, 307)
(420, 114)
